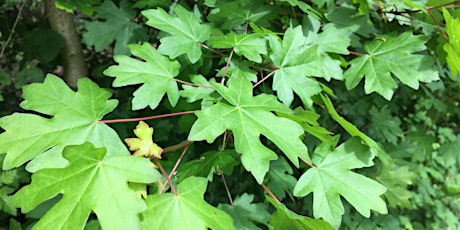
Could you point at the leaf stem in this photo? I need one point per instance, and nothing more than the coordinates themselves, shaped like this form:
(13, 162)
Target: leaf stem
(178, 146)
(166, 175)
(146, 118)
(444, 35)
(265, 78)
(177, 163)
(211, 49)
(355, 53)
(226, 67)
(192, 84)
(308, 163)
(226, 189)
(270, 193)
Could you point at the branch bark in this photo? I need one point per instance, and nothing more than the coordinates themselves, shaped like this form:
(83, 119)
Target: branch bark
(72, 53)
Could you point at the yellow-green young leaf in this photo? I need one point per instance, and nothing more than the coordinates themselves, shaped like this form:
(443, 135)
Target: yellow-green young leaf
(93, 181)
(156, 73)
(453, 47)
(74, 121)
(144, 145)
(186, 32)
(283, 218)
(187, 210)
(387, 55)
(248, 117)
(332, 177)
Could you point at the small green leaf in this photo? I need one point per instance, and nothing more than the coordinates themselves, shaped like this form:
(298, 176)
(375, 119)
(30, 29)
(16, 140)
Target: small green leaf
(391, 54)
(155, 72)
(279, 178)
(118, 26)
(284, 218)
(93, 181)
(332, 177)
(249, 117)
(249, 45)
(396, 181)
(144, 145)
(246, 214)
(85, 6)
(186, 32)
(186, 210)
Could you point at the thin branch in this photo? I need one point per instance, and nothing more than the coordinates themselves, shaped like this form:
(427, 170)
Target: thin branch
(146, 118)
(226, 189)
(308, 163)
(270, 193)
(166, 175)
(177, 164)
(355, 53)
(444, 35)
(211, 49)
(192, 84)
(226, 67)
(265, 78)
(12, 29)
(178, 146)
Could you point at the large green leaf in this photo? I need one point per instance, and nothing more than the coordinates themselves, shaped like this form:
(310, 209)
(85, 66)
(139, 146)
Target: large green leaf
(453, 47)
(187, 210)
(186, 32)
(249, 117)
(93, 181)
(294, 61)
(74, 121)
(249, 45)
(283, 218)
(156, 73)
(118, 26)
(245, 213)
(391, 54)
(332, 177)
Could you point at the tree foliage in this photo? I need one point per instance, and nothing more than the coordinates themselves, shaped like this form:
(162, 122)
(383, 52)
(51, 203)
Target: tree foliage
(278, 114)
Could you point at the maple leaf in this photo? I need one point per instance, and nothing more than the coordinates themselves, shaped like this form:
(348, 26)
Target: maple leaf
(249, 45)
(186, 210)
(74, 121)
(118, 26)
(294, 61)
(144, 145)
(386, 125)
(279, 178)
(249, 117)
(332, 177)
(453, 47)
(85, 6)
(209, 163)
(186, 32)
(391, 54)
(396, 181)
(283, 218)
(206, 94)
(246, 214)
(155, 72)
(93, 181)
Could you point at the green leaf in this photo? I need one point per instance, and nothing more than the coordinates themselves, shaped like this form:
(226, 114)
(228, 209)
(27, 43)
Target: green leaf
(209, 163)
(42, 44)
(396, 181)
(186, 32)
(74, 121)
(280, 179)
(85, 6)
(284, 218)
(294, 61)
(385, 126)
(246, 214)
(156, 72)
(28, 75)
(453, 47)
(332, 177)
(143, 144)
(118, 26)
(198, 93)
(186, 210)
(249, 117)
(249, 45)
(391, 54)
(93, 181)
